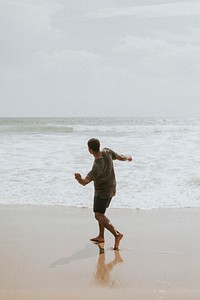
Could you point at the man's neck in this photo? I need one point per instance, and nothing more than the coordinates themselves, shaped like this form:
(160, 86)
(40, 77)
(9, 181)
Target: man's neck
(97, 154)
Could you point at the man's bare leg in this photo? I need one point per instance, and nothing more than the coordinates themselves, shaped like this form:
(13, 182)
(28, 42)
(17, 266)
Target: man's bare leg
(100, 237)
(117, 240)
(105, 222)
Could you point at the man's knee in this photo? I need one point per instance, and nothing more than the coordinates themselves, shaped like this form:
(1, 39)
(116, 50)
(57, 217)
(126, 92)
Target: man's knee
(98, 216)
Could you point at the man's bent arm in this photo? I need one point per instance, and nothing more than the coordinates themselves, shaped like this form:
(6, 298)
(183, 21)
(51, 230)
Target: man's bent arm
(123, 157)
(82, 181)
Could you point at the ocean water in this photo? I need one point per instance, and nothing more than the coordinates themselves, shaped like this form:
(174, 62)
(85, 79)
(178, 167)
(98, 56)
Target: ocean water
(38, 159)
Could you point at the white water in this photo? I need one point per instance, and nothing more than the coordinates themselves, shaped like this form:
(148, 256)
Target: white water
(38, 158)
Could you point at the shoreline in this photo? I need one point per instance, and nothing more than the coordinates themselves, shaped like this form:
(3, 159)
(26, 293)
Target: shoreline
(45, 253)
(91, 207)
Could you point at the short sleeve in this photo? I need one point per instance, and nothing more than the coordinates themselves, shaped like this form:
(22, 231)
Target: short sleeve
(95, 172)
(111, 152)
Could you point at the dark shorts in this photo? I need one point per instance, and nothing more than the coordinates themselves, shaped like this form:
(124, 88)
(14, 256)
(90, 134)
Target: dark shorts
(100, 204)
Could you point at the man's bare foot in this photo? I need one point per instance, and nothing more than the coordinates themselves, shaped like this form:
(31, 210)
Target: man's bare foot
(117, 240)
(97, 239)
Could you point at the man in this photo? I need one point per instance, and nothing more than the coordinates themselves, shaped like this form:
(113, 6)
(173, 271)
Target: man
(103, 176)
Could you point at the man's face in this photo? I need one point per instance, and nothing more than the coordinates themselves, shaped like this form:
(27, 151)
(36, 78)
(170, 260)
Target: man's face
(90, 150)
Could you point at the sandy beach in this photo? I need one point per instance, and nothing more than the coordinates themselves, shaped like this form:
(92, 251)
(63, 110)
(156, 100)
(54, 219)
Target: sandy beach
(46, 253)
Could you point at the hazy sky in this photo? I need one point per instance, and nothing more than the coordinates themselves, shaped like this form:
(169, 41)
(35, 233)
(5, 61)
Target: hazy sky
(100, 58)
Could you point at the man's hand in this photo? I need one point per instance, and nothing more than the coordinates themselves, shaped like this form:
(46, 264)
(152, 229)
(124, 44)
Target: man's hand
(78, 176)
(129, 158)
(83, 181)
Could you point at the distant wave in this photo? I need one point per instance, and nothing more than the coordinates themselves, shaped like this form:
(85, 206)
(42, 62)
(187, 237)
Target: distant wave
(98, 125)
(32, 128)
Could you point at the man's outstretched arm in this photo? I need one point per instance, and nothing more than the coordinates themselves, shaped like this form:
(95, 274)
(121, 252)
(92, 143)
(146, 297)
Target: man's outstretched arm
(82, 181)
(123, 157)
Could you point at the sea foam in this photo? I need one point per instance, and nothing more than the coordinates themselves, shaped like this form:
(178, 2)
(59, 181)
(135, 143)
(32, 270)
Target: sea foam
(40, 156)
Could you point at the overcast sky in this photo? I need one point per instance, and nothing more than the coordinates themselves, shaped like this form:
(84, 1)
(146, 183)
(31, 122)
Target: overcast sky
(135, 58)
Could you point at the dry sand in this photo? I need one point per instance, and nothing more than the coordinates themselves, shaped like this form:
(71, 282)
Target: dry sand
(45, 253)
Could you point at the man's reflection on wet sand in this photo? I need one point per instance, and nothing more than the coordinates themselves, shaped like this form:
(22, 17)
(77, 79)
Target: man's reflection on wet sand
(103, 274)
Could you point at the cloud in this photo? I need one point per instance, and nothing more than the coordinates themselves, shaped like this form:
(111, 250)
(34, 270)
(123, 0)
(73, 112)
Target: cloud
(161, 47)
(28, 15)
(53, 56)
(68, 58)
(152, 11)
(27, 27)
(160, 63)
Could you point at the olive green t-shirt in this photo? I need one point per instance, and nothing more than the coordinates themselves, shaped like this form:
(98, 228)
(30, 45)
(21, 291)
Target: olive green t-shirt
(103, 174)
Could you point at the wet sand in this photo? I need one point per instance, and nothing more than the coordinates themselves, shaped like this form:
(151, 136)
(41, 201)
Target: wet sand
(46, 253)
